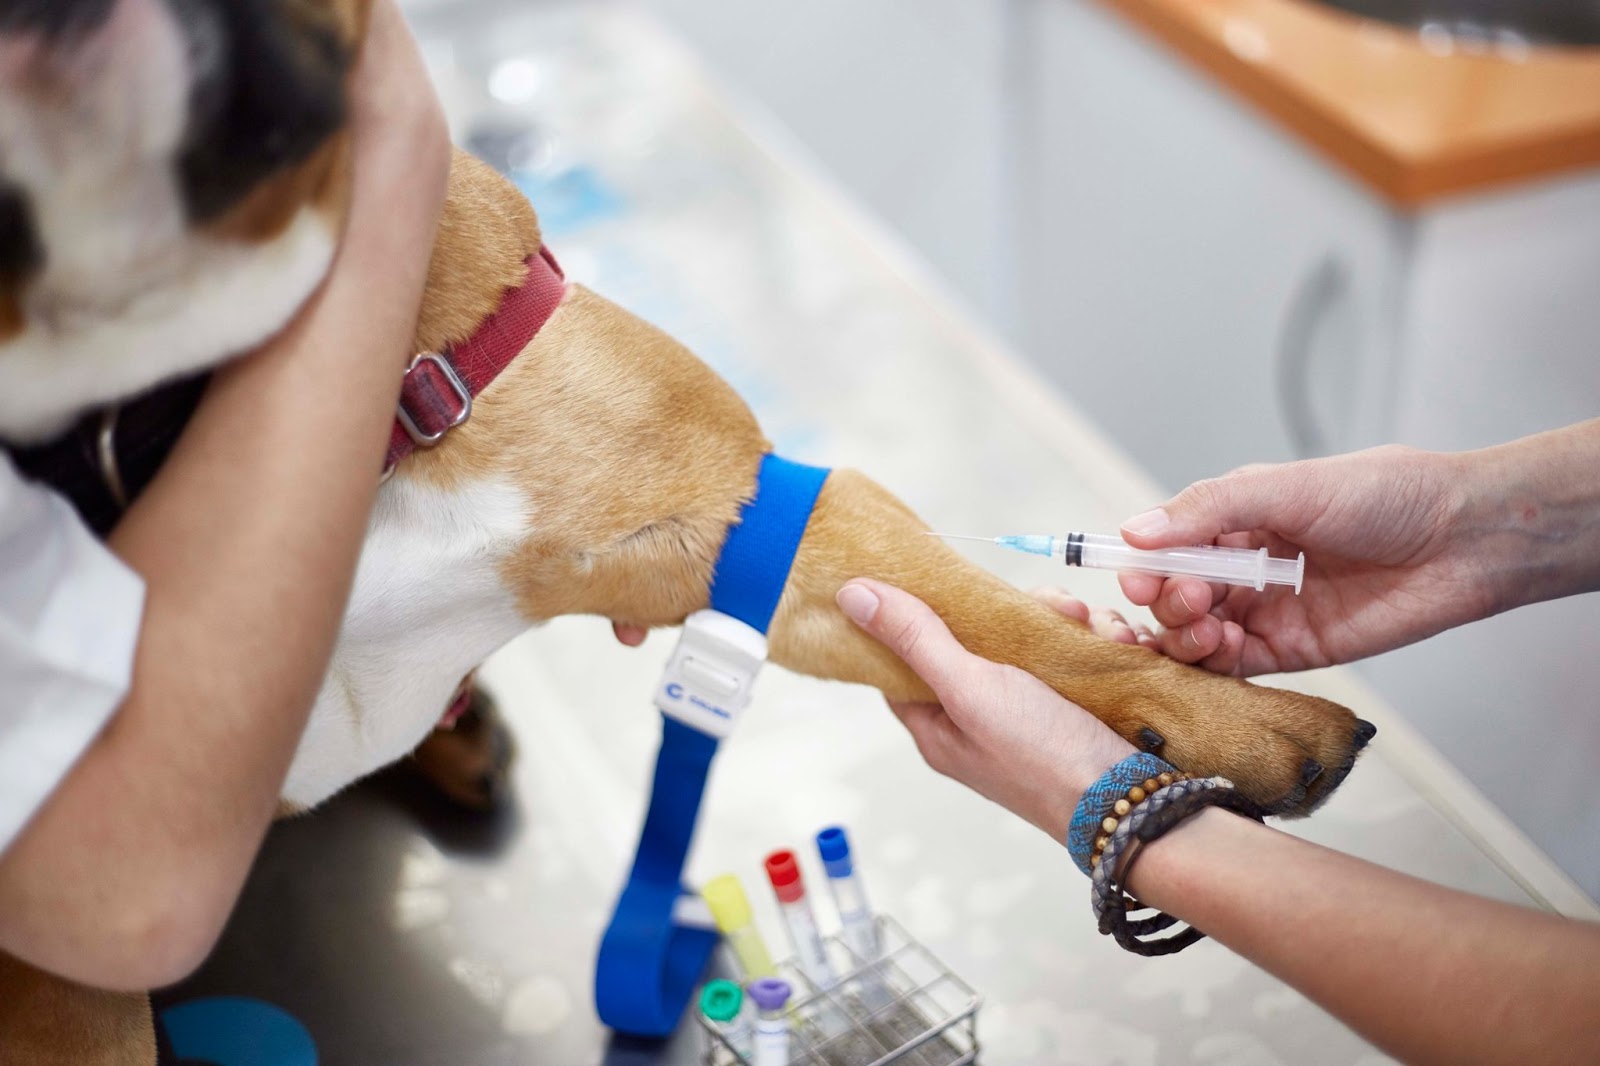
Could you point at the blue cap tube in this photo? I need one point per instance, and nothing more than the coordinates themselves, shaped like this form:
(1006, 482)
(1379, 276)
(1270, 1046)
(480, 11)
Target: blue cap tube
(857, 928)
(834, 847)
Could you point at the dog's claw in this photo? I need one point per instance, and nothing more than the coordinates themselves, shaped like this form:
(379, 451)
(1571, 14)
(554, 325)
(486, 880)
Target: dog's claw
(1309, 772)
(1365, 731)
(1150, 740)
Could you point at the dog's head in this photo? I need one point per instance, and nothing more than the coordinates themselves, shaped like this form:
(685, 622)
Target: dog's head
(152, 150)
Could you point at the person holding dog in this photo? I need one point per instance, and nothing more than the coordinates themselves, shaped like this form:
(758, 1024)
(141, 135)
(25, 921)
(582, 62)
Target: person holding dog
(1400, 544)
(155, 688)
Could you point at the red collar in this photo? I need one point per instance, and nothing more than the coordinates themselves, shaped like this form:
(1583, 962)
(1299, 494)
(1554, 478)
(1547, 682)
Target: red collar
(438, 389)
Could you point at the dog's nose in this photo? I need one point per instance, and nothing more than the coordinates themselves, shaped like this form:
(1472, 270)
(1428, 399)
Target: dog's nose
(52, 19)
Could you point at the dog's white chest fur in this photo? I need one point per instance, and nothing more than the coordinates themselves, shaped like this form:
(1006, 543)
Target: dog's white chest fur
(429, 604)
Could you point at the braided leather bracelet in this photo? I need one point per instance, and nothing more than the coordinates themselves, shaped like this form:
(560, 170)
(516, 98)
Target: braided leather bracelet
(1147, 823)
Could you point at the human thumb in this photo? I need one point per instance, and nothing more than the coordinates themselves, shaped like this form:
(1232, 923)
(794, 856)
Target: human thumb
(1246, 499)
(909, 628)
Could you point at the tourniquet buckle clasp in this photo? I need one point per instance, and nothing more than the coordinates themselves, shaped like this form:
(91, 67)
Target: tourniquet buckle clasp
(709, 679)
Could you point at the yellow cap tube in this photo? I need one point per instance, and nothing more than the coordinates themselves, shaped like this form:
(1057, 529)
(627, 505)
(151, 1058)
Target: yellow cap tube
(730, 908)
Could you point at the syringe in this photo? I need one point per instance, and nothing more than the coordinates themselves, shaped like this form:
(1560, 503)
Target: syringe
(1253, 568)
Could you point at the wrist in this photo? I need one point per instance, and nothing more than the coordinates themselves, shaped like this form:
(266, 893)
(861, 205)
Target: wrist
(1090, 762)
(1531, 513)
(1055, 796)
(1182, 856)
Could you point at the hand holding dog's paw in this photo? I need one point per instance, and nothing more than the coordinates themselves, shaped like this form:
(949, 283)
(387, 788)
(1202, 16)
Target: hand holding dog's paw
(629, 634)
(1191, 635)
(1104, 621)
(1000, 731)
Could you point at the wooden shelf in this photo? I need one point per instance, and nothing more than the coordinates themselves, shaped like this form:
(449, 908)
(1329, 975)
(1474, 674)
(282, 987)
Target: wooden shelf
(1415, 125)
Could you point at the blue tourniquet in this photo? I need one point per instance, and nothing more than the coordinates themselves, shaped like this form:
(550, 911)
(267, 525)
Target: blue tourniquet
(649, 963)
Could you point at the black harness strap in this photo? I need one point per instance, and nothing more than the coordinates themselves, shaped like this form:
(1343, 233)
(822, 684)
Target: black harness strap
(145, 431)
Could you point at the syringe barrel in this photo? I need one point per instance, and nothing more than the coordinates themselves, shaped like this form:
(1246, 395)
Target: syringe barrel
(1251, 567)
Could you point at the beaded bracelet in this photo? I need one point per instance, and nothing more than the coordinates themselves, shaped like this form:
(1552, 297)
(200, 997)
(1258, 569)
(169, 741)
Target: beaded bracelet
(1097, 801)
(1149, 822)
(1124, 807)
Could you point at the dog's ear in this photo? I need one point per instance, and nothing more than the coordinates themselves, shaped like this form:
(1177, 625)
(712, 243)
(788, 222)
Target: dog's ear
(269, 91)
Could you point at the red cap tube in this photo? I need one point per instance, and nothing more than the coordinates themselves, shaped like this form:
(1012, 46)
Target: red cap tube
(784, 873)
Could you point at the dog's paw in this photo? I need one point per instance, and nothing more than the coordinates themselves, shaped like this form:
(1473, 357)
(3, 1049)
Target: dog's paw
(1286, 751)
(469, 759)
(1318, 755)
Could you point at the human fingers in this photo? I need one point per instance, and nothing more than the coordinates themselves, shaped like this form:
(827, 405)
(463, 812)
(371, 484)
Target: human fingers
(1072, 607)
(1141, 588)
(1193, 642)
(909, 628)
(1229, 656)
(629, 634)
(1182, 600)
(1110, 624)
(399, 169)
(398, 131)
(1062, 602)
(1272, 497)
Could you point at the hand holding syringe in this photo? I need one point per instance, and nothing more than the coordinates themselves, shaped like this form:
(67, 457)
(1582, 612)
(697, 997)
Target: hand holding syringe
(1253, 568)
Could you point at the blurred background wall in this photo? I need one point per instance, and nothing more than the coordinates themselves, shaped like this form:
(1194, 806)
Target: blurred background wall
(1212, 291)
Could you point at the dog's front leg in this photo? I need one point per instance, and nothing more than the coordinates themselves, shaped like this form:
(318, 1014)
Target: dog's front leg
(1285, 750)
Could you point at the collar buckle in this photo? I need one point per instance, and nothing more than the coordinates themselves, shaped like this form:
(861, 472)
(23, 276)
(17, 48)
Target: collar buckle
(433, 399)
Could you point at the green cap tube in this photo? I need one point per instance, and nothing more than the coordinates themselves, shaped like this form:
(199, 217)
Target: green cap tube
(720, 1000)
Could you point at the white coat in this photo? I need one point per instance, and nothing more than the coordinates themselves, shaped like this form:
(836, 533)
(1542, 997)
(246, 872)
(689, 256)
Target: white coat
(69, 624)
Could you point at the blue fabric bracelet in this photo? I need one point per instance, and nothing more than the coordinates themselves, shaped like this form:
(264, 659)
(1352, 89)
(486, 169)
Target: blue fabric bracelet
(1098, 800)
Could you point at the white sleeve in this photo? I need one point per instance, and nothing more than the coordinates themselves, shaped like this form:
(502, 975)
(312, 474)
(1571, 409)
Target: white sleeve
(69, 623)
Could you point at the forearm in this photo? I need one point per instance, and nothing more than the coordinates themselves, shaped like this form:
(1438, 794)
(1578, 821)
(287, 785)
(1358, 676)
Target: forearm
(1428, 974)
(1532, 514)
(247, 542)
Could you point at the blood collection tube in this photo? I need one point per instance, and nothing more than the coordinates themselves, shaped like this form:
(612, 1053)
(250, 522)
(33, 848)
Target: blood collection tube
(772, 1021)
(859, 931)
(783, 870)
(730, 909)
(722, 1002)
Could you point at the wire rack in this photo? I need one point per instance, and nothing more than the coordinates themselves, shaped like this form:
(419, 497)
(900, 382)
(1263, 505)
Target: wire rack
(904, 1007)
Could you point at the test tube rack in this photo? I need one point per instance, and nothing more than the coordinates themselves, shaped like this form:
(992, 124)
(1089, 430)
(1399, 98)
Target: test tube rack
(903, 1007)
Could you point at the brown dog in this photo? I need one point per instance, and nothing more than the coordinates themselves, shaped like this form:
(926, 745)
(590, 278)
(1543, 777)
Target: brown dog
(598, 474)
